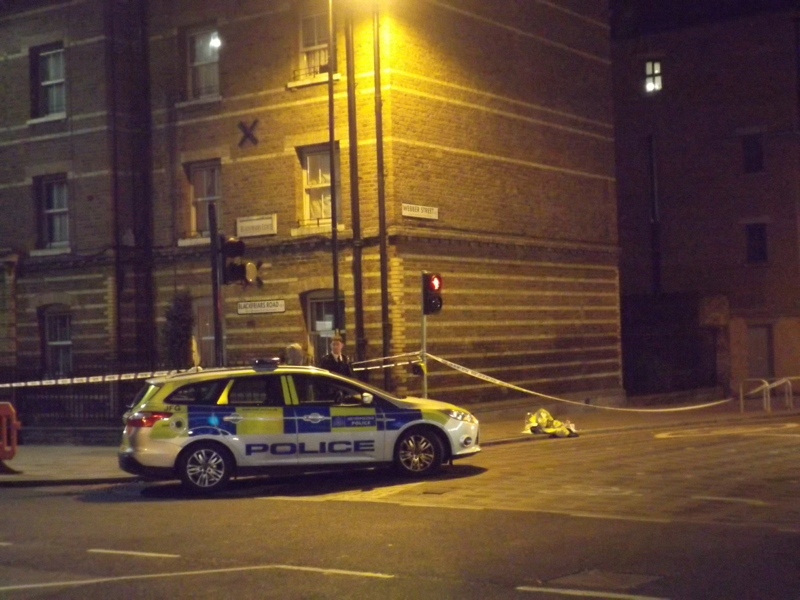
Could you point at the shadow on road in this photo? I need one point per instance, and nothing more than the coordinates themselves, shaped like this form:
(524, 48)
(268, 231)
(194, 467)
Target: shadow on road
(300, 486)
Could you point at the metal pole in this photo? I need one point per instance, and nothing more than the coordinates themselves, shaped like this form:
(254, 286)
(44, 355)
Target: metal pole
(386, 325)
(337, 323)
(355, 201)
(424, 353)
(216, 296)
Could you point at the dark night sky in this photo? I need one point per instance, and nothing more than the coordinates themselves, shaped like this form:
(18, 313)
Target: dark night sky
(633, 17)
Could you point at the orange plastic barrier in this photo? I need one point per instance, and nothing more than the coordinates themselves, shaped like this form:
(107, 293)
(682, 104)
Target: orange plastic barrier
(8, 431)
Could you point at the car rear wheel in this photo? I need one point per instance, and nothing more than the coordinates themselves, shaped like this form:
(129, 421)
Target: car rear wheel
(419, 452)
(205, 468)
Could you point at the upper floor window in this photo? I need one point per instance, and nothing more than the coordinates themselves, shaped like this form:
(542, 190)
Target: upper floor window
(317, 184)
(204, 178)
(53, 197)
(756, 242)
(753, 153)
(313, 39)
(57, 340)
(652, 76)
(204, 64)
(48, 94)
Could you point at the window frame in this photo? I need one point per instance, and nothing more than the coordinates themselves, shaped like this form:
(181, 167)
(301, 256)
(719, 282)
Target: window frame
(195, 66)
(318, 50)
(653, 77)
(198, 205)
(45, 186)
(756, 243)
(40, 88)
(307, 219)
(57, 350)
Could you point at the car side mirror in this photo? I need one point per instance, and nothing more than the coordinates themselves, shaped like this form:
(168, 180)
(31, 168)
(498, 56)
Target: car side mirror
(366, 398)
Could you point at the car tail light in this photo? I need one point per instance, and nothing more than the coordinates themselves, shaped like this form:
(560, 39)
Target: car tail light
(146, 419)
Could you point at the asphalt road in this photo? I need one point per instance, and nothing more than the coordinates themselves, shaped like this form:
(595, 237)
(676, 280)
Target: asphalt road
(661, 513)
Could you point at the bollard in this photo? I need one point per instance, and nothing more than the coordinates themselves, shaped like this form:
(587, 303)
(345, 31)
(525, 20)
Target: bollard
(8, 431)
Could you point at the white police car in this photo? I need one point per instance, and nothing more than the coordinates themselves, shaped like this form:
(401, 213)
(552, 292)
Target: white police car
(208, 426)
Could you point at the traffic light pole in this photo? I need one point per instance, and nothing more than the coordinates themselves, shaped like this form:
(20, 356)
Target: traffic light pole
(216, 296)
(424, 355)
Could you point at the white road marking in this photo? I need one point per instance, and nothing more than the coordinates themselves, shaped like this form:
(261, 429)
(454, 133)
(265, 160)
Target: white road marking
(586, 594)
(750, 501)
(54, 584)
(771, 430)
(133, 553)
(5, 543)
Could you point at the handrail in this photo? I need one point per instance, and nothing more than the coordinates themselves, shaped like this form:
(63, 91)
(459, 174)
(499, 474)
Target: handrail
(766, 387)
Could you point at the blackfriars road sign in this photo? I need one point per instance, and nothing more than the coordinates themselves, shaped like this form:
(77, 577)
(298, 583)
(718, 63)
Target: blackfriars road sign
(261, 306)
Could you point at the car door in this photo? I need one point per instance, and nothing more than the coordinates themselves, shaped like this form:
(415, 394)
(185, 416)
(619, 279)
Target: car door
(257, 406)
(334, 426)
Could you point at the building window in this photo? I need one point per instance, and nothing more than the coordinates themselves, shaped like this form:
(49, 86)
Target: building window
(319, 307)
(53, 197)
(317, 185)
(756, 242)
(313, 40)
(204, 64)
(57, 340)
(48, 94)
(205, 182)
(753, 153)
(652, 76)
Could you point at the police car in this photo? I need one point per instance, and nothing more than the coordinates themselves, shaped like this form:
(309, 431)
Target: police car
(208, 426)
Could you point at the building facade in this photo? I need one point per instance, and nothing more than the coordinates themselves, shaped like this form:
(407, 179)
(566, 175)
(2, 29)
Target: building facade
(707, 153)
(485, 154)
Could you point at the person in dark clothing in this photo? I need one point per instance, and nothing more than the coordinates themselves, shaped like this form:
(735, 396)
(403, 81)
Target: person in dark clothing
(336, 361)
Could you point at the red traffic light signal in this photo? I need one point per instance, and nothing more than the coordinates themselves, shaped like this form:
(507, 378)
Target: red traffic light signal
(431, 293)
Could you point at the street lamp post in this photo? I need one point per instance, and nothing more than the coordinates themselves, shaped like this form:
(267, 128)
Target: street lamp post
(332, 154)
(386, 324)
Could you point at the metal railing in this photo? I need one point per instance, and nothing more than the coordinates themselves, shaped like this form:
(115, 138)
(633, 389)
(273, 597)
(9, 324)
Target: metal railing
(764, 388)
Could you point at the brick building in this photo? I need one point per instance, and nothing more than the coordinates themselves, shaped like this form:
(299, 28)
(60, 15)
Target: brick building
(707, 153)
(498, 172)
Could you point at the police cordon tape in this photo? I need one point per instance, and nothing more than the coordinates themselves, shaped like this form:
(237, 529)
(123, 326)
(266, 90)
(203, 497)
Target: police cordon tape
(95, 378)
(495, 381)
(417, 359)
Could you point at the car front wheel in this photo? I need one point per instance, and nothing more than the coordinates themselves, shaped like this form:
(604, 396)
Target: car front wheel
(205, 468)
(419, 452)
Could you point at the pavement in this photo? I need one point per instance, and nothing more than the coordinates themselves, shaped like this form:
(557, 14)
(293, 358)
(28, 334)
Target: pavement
(501, 423)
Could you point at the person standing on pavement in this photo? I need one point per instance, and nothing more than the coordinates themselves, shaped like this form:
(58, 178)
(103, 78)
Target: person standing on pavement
(336, 361)
(294, 355)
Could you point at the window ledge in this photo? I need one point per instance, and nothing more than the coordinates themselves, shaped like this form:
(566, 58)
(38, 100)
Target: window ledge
(199, 101)
(195, 241)
(315, 229)
(50, 251)
(59, 116)
(315, 80)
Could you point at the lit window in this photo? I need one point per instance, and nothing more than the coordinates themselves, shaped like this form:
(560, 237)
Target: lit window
(756, 242)
(57, 341)
(205, 181)
(317, 185)
(652, 76)
(53, 195)
(313, 40)
(204, 64)
(48, 81)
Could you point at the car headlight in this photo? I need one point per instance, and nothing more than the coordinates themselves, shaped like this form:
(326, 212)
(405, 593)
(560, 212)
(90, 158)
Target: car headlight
(460, 415)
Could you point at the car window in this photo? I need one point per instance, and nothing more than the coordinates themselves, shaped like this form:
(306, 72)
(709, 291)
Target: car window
(204, 392)
(319, 389)
(264, 390)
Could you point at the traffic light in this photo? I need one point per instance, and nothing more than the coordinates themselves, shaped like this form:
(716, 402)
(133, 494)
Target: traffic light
(431, 293)
(234, 270)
